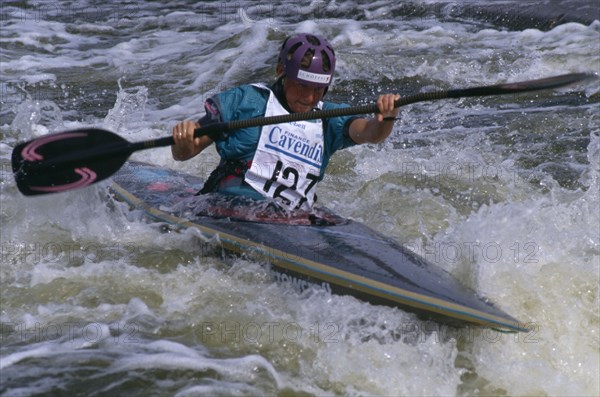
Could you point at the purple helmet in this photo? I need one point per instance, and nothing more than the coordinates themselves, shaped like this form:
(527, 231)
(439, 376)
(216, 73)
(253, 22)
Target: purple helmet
(318, 55)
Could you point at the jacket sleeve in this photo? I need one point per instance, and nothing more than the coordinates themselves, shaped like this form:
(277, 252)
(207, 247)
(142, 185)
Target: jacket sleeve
(239, 103)
(337, 134)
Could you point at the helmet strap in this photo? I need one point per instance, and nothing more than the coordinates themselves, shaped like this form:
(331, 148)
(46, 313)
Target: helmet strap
(279, 92)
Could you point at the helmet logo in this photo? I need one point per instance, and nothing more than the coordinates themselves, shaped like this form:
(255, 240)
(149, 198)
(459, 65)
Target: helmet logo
(314, 77)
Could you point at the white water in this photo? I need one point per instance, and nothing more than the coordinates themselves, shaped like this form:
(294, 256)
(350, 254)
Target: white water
(502, 192)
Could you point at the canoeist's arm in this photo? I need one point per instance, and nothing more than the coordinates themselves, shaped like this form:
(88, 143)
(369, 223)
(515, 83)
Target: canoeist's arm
(186, 146)
(377, 129)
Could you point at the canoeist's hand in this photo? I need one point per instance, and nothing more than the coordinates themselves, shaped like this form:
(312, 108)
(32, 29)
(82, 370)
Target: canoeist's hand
(186, 146)
(376, 130)
(385, 104)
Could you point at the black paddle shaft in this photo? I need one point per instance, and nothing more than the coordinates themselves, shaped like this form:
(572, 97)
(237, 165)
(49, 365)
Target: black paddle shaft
(68, 160)
(499, 89)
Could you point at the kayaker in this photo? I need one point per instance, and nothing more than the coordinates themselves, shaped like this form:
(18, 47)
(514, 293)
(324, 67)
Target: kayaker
(283, 161)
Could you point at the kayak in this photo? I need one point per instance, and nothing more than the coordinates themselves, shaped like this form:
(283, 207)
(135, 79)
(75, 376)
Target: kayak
(316, 248)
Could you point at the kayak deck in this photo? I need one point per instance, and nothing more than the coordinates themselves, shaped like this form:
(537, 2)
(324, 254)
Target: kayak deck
(340, 255)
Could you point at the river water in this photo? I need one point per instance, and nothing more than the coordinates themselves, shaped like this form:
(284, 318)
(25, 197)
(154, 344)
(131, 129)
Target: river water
(503, 192)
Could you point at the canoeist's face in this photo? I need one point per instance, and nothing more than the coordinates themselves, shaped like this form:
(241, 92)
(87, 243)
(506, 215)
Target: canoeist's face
(302, 97)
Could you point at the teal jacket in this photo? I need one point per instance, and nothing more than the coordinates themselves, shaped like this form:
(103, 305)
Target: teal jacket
(248, 101)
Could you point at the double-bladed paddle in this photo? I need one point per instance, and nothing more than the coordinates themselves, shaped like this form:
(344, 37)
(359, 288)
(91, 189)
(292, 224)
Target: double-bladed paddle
(68, 160)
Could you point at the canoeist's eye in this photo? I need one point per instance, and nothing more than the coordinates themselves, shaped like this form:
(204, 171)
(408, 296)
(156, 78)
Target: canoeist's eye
(308, 88)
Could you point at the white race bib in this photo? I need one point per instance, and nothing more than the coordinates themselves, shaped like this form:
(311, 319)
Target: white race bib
(288, 159)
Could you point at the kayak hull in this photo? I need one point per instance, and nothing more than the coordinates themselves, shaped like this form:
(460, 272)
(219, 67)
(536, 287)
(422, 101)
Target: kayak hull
(341, 256)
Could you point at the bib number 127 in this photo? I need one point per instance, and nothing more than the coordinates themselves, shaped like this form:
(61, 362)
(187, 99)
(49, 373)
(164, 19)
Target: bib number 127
(287, 173)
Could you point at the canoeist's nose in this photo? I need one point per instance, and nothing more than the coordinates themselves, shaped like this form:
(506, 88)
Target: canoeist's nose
(311, 93)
